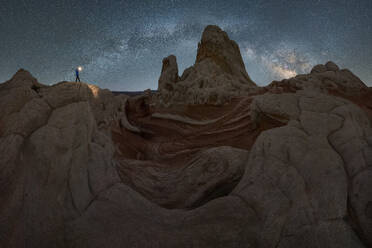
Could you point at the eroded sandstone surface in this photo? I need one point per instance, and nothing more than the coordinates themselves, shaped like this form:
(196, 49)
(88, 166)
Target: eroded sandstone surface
(286, 165)
(217, 75)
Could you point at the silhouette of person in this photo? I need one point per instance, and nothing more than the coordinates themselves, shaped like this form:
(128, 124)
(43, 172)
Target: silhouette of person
(77, 70)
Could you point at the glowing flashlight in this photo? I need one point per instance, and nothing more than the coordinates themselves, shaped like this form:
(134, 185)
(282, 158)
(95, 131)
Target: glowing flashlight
(80, 68)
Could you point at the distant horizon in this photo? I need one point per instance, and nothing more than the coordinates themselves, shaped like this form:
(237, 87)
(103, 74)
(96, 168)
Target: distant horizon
(121, 44)
(155, 89)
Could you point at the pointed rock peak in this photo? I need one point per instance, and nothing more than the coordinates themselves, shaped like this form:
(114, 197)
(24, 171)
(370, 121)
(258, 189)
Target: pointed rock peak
(169, 73)
(24, 74)
(22, 78)
(216, 46)
(319, 69)
(331, 66)
(215, 33)
(169, 62)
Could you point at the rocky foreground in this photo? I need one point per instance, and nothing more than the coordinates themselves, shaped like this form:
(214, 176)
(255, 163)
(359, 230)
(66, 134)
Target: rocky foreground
(211, 160)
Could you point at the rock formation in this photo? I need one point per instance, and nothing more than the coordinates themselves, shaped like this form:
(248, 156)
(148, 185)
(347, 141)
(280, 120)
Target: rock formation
(324, 78)
(216, 47)
(217, 75)
(169, 73)
(286, 165)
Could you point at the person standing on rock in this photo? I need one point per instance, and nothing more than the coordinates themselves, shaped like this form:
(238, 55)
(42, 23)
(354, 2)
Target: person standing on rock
(77, 71)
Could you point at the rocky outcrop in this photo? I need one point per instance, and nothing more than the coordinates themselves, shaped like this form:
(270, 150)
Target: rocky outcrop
(217, 75)
(210, 174)
(54, 159)
(307, 170)
(169, 73)
(216, 47)
(286, 165)
(326, 78)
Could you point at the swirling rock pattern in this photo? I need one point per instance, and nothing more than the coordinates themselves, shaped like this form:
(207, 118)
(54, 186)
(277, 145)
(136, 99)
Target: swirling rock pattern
(286, 165)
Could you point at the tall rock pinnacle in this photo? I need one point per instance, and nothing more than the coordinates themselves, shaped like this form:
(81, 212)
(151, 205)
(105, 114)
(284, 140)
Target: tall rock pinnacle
(217, 75)
(169, 73)
(216, 46)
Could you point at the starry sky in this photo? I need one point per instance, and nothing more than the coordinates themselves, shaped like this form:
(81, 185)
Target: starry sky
(121, 44)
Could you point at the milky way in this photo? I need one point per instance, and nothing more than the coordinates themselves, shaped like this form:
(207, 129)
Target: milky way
(121, 44)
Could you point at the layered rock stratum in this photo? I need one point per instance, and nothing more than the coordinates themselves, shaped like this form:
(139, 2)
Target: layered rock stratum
(285, 165)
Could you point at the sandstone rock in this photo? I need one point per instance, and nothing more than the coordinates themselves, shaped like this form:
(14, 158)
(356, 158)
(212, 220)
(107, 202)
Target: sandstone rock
(169, 73)
(119, 217)
(22, 78)
(45, 145)
(325, 79)
(319, 69)
(287, 165)
(216, 46)
(360, 200)
(303, 195)
(217, 75)
(285, 106)
(210, 174)
(331, 66)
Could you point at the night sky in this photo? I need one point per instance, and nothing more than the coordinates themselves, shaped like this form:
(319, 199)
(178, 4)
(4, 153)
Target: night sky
(121, 44)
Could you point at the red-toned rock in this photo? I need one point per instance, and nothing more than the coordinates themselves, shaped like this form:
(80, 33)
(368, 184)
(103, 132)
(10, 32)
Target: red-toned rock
(213, 161)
